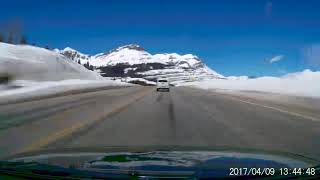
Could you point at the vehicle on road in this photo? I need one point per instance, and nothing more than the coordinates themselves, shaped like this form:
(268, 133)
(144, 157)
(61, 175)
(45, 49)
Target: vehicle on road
(163, 84)
(162, 163)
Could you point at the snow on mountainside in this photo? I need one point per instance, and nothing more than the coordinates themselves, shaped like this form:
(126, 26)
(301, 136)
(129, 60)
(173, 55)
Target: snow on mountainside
(73, 54)
(130, 54)
(133, 61)
(25, 62)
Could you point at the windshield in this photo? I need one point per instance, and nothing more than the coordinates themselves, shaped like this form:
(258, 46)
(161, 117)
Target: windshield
(82, 79)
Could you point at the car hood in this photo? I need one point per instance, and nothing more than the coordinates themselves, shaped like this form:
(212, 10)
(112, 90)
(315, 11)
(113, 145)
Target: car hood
(165, 158)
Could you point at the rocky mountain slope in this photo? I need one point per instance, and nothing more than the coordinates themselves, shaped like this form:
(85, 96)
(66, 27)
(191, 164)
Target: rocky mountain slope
(132, 61)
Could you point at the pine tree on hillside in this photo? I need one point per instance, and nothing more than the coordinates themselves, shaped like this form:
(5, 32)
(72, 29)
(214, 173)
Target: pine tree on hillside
(10, 38)
(23, 40)
(87, 65)
(91, 67)
(1, 38)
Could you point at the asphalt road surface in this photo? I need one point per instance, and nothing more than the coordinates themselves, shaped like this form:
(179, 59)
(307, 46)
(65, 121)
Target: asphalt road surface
(140, 116)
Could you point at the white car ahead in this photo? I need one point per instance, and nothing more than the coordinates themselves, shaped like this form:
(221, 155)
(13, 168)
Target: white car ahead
(163, 84)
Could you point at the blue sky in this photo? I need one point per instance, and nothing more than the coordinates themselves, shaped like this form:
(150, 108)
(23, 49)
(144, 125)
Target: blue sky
(238, 37)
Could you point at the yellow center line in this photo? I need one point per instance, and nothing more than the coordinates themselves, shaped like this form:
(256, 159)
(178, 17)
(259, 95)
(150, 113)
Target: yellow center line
(77, 127)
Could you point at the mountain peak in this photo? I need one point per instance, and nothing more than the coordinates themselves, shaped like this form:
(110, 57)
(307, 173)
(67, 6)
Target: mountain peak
(128, 46)
(69, 49)
(132, 46)
(133, 61)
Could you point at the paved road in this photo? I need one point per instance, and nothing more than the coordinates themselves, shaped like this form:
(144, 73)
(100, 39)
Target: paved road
(139, 116)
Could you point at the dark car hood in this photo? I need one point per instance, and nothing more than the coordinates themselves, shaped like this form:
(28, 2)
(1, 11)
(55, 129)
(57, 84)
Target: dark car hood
(167, 158)
(166, 162)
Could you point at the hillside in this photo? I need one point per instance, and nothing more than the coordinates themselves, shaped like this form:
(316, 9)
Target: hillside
(24, 62)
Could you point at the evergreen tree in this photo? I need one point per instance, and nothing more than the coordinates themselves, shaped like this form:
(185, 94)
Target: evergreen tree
(1, 38)
(23, 40)
(87, 65)
(10, 38)
(91, 67)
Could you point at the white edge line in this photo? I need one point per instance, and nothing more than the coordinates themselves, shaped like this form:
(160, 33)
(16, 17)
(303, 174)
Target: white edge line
(273, 108)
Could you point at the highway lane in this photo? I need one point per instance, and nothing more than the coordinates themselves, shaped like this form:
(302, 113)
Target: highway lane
(34, 124)
(140, 116)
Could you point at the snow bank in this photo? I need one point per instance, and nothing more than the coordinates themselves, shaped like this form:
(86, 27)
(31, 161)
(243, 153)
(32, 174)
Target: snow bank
(238, 77)
(40, 72)
(160, 71)
(32, 89)
(305, 83)
(140, 81)
(25, 62)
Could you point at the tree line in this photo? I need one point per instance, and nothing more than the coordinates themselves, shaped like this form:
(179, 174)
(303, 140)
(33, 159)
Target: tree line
(12, 33)
(13, 38)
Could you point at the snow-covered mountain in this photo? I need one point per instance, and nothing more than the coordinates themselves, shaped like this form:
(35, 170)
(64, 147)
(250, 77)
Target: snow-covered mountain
(135, 62)
(24, 62)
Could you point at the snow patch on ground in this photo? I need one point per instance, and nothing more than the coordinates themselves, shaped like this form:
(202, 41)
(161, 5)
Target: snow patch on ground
(126, 70)
(146, 82)
(238, 77)
(305, 83)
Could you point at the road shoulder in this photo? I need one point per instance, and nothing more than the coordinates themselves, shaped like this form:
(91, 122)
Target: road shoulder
(306, 107)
